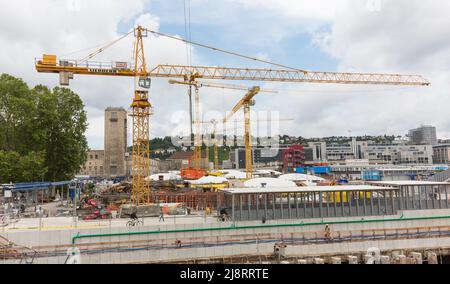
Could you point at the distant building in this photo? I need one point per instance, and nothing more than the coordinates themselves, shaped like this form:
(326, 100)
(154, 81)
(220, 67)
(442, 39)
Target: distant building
(114, 161)
(270, 157)
(318, 152)
(181, 159)
(424, 135)
(94, 165)
(394, 154)
(154, 165)
(399, 154)
(293, 158)
(441, 154)
(115, 142)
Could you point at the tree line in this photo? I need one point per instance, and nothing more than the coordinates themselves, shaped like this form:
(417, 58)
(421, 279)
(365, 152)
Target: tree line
(41, 132)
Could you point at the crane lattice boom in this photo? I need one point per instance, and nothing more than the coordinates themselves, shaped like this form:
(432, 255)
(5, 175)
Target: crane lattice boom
(254, 74)
(226, 73)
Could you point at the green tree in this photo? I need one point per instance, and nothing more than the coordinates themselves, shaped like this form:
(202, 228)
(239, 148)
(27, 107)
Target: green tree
(17, 115)
(41, 132)
(63, 120)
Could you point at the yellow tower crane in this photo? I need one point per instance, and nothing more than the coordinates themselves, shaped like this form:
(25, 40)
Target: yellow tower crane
(142, 108)
(214, 123)
(245, 103)
(197, 85)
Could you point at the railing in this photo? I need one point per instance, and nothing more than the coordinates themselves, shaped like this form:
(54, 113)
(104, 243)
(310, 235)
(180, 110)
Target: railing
(92, 64)
(10, 250)
(441, 177)
(291, 239)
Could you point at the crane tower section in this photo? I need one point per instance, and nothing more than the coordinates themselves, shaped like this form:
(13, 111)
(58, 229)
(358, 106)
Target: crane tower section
(141, 111)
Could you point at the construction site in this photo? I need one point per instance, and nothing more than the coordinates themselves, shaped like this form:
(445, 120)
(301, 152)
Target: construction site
(201, 206)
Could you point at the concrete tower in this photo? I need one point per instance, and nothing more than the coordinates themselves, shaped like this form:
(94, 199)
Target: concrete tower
(115, 142)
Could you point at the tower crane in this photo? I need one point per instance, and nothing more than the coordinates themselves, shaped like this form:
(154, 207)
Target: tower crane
(245, 103)
(197, 171)
(141, 107)
(214, 123)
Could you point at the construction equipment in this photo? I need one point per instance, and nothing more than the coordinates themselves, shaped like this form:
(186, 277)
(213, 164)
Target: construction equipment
(245, 103)
(215, 142)
(214, 123)
(142, 108)
(198, 144)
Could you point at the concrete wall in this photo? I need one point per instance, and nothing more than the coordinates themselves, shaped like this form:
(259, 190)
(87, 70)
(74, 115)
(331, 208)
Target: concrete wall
(130, 247)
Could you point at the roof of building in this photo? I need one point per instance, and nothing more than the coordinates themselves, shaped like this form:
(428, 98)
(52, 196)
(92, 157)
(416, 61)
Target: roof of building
(266, 172)
(300, 177)
(209, 180)
(409, 183)
(233, 174)
(441, 145)
(165, 176)
(32, 186)
(306, 189)
(181, 156)
(269, 182)
(115, 109)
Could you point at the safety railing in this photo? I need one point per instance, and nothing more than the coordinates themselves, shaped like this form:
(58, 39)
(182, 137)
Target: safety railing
(91, 64)
(441, 177)
(290, 239)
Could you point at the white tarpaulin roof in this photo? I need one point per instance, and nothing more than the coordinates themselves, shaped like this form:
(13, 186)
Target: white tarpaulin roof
(234, 174)
(166, 176)
(266, 172)
(269, 182)
(210, 180)
(300, 177)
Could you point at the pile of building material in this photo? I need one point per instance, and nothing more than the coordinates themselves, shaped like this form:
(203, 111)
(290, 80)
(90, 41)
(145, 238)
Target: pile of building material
(174, 209)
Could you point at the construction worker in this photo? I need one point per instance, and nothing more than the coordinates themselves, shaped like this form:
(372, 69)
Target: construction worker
(161, 215)
(328, 234)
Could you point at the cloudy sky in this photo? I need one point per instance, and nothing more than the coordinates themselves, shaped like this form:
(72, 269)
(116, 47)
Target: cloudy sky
(389, 36)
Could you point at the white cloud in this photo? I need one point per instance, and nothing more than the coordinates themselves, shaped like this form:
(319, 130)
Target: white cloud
(402, 37)
(395, 36)
(30, 28)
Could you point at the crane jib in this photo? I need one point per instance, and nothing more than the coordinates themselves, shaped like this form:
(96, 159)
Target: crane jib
(243, 74)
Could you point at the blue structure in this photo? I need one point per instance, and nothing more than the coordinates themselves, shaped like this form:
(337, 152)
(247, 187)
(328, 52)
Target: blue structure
(371, 175)
(324, 170)
(318, 170)
(35, 186)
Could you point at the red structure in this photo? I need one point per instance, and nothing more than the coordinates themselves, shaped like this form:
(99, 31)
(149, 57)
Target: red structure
(293, 158)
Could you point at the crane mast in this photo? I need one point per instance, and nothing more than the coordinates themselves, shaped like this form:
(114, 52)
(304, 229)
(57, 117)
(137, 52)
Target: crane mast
(245, 104)
(141, 110)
